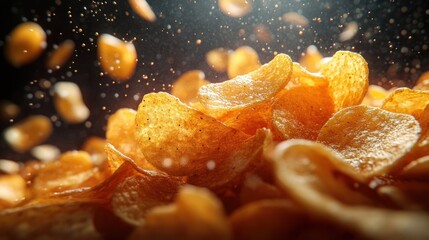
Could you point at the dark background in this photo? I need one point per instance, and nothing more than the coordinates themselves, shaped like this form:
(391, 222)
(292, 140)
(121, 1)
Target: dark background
(393, 37)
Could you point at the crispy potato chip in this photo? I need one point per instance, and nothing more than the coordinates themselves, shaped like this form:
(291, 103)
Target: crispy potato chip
(371, 140)
(195, 214)
(347, 74)
(242, 61)
(13, 190)
(405, 100)
(50, 221)
(303, 107)
(74, 169)
(217, 59)
(120, 133)
(180, 140)
(308, 172)
(376, 95)
(187, 85)
(142, 8)
(280, 219)
(311, 59)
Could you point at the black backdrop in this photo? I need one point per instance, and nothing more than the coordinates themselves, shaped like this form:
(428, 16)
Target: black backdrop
(392, 36)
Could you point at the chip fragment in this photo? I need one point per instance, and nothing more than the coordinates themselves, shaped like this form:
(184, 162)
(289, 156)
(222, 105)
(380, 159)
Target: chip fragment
(373, 141)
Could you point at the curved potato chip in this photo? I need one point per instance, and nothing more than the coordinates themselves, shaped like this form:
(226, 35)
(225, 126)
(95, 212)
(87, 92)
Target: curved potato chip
(187, 85)
(371, 140)
(280, 219)
(306, 171)
(405, 100)
(303, 107)
(375, 95)
(311, 59)
(195, 214)
(347, 74)
(120, 133)
(242, 61)
(180, 140)
(142, 8)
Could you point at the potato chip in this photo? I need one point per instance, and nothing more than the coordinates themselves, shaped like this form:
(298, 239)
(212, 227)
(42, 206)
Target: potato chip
(303, 107)
(310, 60)
(187, 85)
(253, 111)
(60, 55)
(50, 221)
(371, 140)
(29, 132)
(95, 146)
(376, 95)
(347, 74)
(349, 32)
(74, 169)
(178, 139)
(8, 110)
(12, 190)
(217, 59)
(25, 43)
(69, 103)
(280, 219)
(235, 8)
(137, 194)
(242, 60)
(117, 58)
(309, 171)
(46, 152)
(405, 100)
(142, 8)
(120, 133)
(195, 214)
(295, 18)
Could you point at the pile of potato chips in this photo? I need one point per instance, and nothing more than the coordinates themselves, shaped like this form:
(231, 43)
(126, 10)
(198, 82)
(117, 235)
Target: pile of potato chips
(276, 153)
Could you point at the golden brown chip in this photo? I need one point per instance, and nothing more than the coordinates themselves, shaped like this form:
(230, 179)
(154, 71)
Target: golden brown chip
(137, 194)
(371, 140)
(347, 74)
(405, 100)
(29, 132)
(309, 171)
(120, 132)
(69, 103)
(117, 58)
(295, 18)
(242, 61)
(187, 85)
(60, 55)
(51, 221)
(180, 140)
(25, 43)
(12, 190)
(96, 147)
(235, 8)
(195, 214)
(245, 102)
(303, 107)
(8, 110)
(217, 59)
(311, 59)
(376, 95)
(142, 8)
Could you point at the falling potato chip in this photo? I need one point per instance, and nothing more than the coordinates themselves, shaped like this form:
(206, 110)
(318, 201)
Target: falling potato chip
(95, 146)
(303, 107)
(195, 214)
(247, 90)
(69, 103)
(242, 60)
(60, 55)
(120, 133)
(142, 8)
(178, 139)
(217, 59)
(306, 171)
(405, 100)
(235, 8)
(46, 152)
(187, 85)
(349, 32)
(295, 18)
(262, 33)
(347, 74)
(371, 140)
(117, 58)
(311, 59)
(8, 110)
